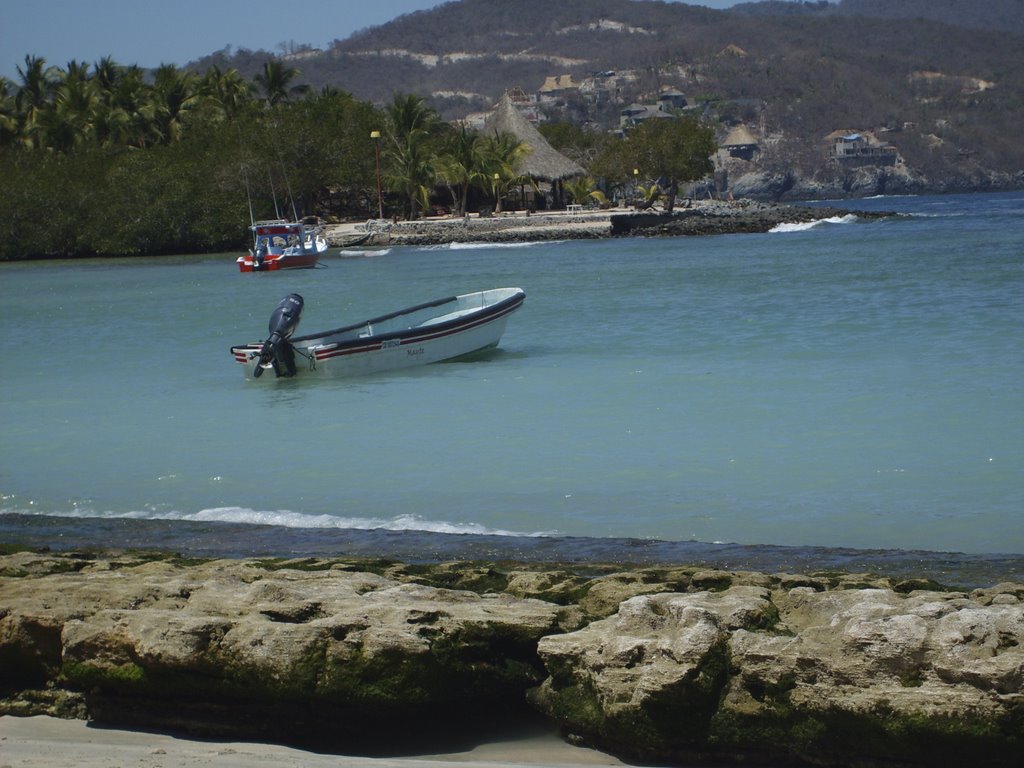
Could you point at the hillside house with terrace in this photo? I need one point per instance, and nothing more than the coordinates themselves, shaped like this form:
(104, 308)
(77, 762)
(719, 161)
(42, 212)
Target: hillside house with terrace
(853, 148)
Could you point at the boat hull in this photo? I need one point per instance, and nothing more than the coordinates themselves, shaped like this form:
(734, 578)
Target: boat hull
(276, 263)
(447, 329)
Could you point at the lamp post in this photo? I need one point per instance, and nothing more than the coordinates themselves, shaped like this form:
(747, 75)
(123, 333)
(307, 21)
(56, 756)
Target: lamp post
(636, 186)
(497, 193)
(375, 135)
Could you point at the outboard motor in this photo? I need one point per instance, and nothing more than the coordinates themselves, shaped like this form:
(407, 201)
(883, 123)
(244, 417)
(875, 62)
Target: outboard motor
(259, 256)
(277, 352)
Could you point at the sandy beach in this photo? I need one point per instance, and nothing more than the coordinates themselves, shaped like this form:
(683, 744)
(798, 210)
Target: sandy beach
(47, 742)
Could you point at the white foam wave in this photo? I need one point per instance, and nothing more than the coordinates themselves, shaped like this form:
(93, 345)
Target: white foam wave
(352, 253)
(803, 226)
(289, 519)
(846, 200)
(518, 244)
(457, 246)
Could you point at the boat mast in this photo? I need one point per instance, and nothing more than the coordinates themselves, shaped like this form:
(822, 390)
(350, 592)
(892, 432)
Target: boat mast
(248, 197)
(273, 192)
(291, 197)
(245, 178)
(287, 185)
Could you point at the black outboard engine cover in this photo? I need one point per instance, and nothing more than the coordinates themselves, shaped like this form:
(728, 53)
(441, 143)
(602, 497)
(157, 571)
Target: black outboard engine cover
(277, 352)
(258, 257)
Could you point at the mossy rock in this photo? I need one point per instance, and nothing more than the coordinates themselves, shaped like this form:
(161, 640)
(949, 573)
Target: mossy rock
(675, 721)
(882, 737)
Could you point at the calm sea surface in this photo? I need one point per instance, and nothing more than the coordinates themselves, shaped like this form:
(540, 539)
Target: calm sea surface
(844, 395)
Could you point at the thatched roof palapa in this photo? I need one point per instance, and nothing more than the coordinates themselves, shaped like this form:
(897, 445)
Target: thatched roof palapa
(543, 162)
(739, 136)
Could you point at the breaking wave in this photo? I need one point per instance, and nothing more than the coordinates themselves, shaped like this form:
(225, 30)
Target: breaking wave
(802, 226)
(289, 519)
(364, 253)
(457, 246)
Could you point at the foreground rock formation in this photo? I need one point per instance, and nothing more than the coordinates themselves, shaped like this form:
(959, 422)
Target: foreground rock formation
(836, 677)
(665, 665)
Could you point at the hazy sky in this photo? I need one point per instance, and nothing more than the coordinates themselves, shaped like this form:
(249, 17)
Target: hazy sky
(153, 32)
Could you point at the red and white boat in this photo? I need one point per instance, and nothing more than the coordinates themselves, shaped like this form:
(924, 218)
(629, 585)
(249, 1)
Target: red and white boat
(280, 244)
(444, 329)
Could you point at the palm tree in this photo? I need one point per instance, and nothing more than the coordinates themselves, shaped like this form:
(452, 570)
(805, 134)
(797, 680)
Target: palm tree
(408, 114)
(8, 113)
(274, 82)
(38, 83)
(461, 165)
(107, 74)
(71, 120)
(502, 154)
(410, 156)
(128, 109)
(412, 172)
(75, 71)
(583, 189)
(175, 96)
(123, 111)
(111, 120)
(227, 92)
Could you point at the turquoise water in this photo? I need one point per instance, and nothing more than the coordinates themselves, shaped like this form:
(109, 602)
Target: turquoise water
(851, 385)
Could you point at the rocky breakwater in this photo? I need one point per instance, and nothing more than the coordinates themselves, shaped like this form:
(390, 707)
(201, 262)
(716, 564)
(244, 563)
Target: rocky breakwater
(512, 227)
(651, 664)
(694, 217)
(712, 217)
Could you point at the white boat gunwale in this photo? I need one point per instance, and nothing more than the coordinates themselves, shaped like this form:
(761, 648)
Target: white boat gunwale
(434, 324)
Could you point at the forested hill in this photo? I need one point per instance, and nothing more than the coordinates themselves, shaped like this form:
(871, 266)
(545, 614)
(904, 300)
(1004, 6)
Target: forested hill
(1005, 15)
(471, 51)
(942, 80)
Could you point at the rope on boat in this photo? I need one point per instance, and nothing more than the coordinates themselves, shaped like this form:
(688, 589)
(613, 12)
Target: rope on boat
(310, 358)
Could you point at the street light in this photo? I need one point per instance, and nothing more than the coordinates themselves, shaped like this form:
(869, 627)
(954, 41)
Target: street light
(375, 135)
(636, 186)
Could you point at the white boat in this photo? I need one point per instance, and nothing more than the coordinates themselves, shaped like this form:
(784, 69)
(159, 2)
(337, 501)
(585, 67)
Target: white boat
(444, 329)
(280, 244)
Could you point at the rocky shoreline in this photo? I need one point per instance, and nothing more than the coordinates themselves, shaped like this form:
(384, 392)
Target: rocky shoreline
(665, 664)
(693, 217)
